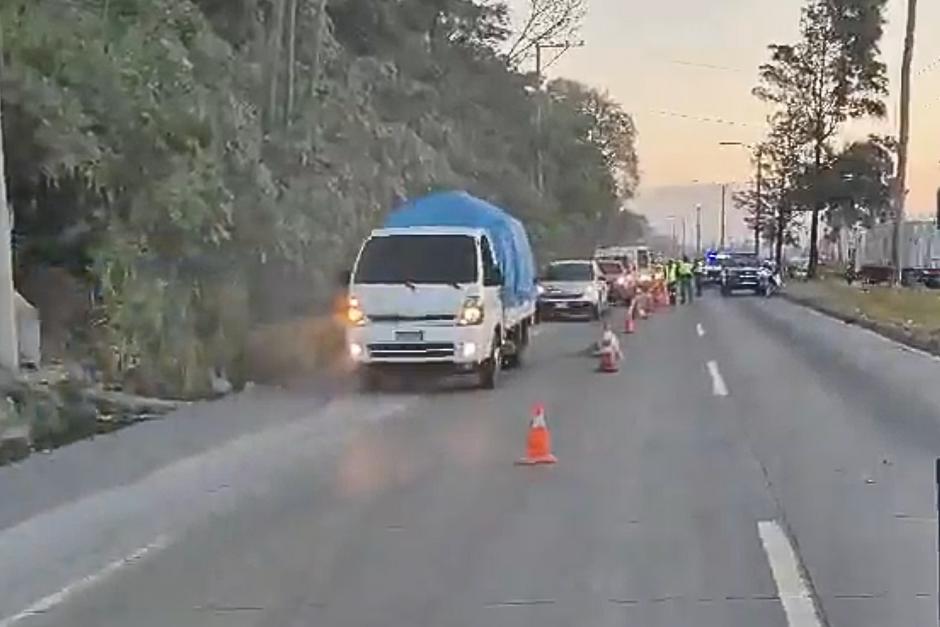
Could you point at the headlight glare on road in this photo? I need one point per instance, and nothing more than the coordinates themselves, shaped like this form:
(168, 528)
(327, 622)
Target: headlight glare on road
(471, 313)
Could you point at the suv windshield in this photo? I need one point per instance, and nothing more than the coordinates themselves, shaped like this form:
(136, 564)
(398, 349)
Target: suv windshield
(569, 272)
(643, 259)
(741, 261)
(436, 259)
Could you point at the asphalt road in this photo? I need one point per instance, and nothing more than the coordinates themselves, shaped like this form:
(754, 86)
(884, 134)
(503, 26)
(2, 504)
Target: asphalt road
(752, 464)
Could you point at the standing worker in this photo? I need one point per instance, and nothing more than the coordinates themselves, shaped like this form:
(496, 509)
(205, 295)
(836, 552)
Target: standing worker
(672, 278)
(699, 270)
(686, 276)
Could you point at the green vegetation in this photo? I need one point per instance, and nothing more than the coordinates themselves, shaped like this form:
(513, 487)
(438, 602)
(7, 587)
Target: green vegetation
(908, 315)
(206, 166)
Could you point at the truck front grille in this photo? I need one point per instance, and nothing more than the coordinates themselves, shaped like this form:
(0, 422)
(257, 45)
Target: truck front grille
(427, 349)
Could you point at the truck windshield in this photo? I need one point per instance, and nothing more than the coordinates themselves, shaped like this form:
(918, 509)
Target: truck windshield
(610, 267)
(399, 259)
(569, 272)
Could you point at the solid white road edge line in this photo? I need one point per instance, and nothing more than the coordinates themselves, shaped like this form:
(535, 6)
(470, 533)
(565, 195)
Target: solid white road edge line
(700, 329)
(80, 585)
(894, 343)
(718, 383)
(784, 566)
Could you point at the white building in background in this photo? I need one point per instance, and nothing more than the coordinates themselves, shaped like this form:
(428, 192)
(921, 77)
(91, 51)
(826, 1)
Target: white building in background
(920, 245)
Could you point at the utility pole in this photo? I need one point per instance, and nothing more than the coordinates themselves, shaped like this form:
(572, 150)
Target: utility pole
(724, 188)
(538, 117)
(900, 190)
(683, 236)
(698, 230)
(9, 348)
(539, 46)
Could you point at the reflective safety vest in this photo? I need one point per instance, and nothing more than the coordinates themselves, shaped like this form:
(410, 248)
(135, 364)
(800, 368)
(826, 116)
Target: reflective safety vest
(671, 270)
(685, 269)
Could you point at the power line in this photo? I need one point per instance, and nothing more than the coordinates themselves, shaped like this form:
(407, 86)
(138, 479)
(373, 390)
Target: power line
(702, 118)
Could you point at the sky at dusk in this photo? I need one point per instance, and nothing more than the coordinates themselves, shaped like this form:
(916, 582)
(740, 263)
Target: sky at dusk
(685, 69)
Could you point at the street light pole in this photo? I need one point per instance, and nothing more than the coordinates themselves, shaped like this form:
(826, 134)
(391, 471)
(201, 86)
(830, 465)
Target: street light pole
(698, 230)
(683, 237)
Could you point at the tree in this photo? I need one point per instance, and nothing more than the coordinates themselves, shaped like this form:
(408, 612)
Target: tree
(857, 186)
(153, 164)
(546, 20)
(832, 74)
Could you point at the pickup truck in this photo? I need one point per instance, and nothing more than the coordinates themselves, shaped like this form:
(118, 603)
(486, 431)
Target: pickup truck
(447, 285)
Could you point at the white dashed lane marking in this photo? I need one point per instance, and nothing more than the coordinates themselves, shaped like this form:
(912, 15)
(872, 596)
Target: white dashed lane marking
(700, 330)
(718, 383)
(791, 587)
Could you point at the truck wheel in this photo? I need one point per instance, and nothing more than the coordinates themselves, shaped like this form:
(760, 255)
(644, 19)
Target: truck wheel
(488, 371)
(521, 341)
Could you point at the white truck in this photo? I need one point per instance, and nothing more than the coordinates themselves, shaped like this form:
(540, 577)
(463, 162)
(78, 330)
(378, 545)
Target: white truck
(447, 286)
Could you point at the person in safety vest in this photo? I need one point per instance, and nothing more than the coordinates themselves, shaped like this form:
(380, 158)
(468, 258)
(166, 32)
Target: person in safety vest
(672, 278)
(699, 270)
(686, 276)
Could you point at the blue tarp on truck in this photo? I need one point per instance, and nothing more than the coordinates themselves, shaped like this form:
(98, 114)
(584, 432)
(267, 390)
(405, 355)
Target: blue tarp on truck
(507, 235)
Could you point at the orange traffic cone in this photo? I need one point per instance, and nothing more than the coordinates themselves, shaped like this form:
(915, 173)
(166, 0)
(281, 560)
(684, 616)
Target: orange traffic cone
(608, 363)
(539, 440)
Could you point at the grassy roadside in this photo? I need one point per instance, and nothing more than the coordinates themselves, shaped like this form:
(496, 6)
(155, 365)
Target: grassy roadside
(911, 316)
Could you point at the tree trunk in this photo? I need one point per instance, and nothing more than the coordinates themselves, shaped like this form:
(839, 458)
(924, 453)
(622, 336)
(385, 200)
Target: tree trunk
(781, 225)
(319, 24)
(903, 138)
(291, 60)
(276, 36)
(814, 222)
(9, 346)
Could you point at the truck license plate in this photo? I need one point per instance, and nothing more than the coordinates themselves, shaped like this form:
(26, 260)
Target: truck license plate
(561, 305)
(409, 336)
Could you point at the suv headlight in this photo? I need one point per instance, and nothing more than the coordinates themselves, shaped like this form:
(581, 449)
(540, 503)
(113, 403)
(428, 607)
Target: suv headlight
(590, 291)
(471, 312)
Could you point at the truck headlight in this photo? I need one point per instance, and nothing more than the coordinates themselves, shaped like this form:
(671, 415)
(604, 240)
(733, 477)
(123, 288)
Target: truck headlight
(355, 350)
(471, 312)
(590, 291)
(354, 313)
(469, 350)
(621, 280)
